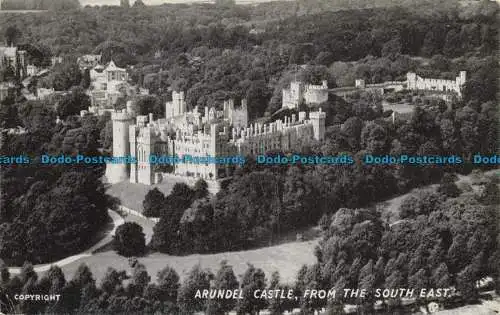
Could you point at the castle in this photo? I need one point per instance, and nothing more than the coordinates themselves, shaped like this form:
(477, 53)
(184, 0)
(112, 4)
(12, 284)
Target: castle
(308, 94)
(209, 133)
(441, 88)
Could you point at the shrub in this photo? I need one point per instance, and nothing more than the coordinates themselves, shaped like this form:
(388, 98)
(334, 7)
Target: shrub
(129, 240)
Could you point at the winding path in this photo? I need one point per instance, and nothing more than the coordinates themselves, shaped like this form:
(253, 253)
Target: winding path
(117, 221)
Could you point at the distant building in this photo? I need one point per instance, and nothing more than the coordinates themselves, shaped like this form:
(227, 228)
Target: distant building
(6, 89)
(31, 70)
(308, 94)
(55, 60)
(42, 93)
(88, 61)
(125, 3)
(440, 88)
(107, 84)
(415, 82)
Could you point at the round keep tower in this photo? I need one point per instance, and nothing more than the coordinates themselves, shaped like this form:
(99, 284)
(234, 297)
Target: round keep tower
(116, 173)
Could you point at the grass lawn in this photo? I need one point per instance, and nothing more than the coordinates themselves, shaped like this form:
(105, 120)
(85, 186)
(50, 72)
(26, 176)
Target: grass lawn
(285, 258)
(132, 195)
(484, 308)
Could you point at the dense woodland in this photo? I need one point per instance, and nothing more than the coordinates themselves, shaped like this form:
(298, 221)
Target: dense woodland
(39, 4)
(214, 52)
(447, 239)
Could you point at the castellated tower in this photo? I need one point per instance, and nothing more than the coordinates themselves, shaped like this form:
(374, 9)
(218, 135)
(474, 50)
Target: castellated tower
(318, 121)
(238, 117)
(116, 173)
(177, 106)
(293, 96)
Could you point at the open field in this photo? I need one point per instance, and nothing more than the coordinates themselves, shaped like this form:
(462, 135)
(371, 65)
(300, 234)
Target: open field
(286, 258)
(485, 308)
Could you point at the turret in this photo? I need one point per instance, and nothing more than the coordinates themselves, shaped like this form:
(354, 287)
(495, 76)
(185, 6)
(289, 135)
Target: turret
(360, 83)
(177, 106)
(318, 121)
(116, 173)
(461, 79)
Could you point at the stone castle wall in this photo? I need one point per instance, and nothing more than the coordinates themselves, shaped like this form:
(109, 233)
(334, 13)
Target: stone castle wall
(309, 94)
(415, 82)
(218, 135)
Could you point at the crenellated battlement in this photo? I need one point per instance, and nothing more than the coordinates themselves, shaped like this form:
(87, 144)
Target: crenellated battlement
(212, 133)
(323, 86)
(415, 82)
(121, 116)
(304, 93)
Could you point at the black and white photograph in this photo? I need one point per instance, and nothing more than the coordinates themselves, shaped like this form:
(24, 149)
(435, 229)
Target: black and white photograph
(249, 157)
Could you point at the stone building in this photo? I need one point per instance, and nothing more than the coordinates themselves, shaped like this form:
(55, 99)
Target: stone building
(6, 90)
(88, 61)
(107, 84)
(308, 94)
(443, 89)
(200, 134)
(31, 70)
(14, 58)
(415, 82)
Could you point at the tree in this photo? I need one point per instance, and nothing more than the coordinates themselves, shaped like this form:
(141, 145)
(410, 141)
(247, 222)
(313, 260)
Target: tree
(352, 128)
(28, 273)
(112, 281)
(392, 48)
(450, 189)
(408, 207)
(200, 189)
(150, 104)
(125, 4)
(325, 222)
(4, 273)
(129, 240)
(490, 194)
(168, 284)
(153, 203)
(466, 283)
(225, 279)
(138, 4)
(140, 280)
(452, 44)
(73, 103)
(277, 305)
(166, 233)
(197, 279)
(65, 75)
(253, 279)
(57, 280)
(12, 34)
(374, 138)
(441, 278)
